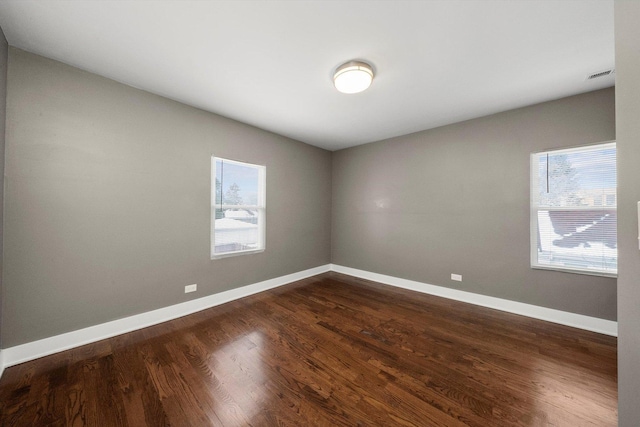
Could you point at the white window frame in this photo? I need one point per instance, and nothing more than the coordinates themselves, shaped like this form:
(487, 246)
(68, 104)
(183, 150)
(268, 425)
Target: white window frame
(534, 208)
(260, 207)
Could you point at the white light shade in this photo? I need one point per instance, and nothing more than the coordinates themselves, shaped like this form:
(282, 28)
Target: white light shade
(353, 77)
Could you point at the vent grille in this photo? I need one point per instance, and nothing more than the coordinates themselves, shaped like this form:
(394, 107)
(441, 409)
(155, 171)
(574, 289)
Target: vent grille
(600, 74)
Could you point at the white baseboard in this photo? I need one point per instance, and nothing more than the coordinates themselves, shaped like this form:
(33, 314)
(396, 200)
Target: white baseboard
(594, 324)
(44, 347)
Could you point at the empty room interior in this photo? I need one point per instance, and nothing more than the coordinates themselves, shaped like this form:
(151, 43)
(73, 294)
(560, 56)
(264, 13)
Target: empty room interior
(292, 213)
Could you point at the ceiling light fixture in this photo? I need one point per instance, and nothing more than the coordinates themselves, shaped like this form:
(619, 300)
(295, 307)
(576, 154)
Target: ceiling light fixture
(353, 77)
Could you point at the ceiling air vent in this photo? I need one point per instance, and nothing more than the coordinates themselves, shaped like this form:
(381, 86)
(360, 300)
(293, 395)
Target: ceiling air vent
(600, 74)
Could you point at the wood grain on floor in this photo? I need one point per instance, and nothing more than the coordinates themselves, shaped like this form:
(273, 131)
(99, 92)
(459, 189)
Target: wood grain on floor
(331, 350)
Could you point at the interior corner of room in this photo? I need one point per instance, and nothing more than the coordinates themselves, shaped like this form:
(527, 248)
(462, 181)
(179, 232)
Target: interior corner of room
(105, 214)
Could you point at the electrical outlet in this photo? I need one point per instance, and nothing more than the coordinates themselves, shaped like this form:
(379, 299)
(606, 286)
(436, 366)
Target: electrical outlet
(190, 288)
(456, 277)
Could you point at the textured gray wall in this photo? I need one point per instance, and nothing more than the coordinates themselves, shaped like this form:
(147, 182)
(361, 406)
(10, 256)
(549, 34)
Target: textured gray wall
(4, 52)
(108, 201)
(456, 200)
(627, 17)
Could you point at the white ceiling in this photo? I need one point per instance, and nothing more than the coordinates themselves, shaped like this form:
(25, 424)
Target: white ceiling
(269, 63)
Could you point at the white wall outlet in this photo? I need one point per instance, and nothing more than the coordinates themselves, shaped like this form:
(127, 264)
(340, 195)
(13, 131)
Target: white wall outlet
(190, 288)
(456, 277)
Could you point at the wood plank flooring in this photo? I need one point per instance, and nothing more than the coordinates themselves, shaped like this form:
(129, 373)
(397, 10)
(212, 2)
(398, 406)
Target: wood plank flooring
(331, 350)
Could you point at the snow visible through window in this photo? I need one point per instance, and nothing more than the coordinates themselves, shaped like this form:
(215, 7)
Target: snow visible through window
(573, 209)
(237, 207)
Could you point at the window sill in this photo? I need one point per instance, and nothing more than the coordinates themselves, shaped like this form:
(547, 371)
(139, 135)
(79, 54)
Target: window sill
(574, 271)
(237, 253)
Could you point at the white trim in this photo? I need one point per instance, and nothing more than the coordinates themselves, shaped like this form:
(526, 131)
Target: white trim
(594, 324)
(44, 347)
(577, 148)
(535, 207)
(261, 207)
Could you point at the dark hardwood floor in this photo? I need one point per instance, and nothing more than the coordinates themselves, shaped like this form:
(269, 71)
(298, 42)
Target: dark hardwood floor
(326, 351)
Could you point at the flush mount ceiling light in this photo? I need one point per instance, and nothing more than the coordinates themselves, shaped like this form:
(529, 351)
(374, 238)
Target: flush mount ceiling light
(353, 77)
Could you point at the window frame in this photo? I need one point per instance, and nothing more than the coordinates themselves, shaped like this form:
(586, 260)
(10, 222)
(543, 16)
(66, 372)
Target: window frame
(534, 208)
(260, 207)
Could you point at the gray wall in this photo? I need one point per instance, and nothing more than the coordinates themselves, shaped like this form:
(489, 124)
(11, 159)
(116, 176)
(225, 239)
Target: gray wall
(4, 53)
(456, 200)
(108, 201)
(627, 16)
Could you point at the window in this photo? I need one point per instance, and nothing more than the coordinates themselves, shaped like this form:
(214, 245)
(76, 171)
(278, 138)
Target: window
(237, 208)
(573, 210)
